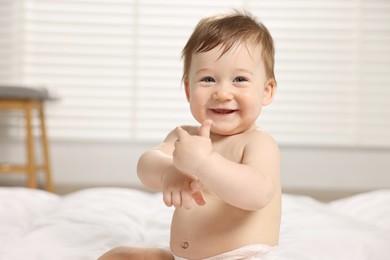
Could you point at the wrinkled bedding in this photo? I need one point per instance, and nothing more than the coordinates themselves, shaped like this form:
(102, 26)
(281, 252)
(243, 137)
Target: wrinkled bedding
(35, 224)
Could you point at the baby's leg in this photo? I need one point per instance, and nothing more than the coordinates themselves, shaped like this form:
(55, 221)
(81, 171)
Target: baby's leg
(129, 253)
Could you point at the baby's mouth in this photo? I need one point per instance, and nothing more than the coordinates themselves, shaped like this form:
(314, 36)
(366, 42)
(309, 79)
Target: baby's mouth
(223, 111)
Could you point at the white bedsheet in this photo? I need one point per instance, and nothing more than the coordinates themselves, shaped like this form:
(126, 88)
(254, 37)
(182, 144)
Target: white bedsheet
(38, 225)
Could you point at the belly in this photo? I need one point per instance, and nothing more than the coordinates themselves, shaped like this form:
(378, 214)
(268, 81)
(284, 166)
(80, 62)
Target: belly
(217, 227)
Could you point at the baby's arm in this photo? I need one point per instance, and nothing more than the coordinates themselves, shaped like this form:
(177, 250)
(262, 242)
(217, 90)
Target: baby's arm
(249, 185)
(156, 171)
(153, 164)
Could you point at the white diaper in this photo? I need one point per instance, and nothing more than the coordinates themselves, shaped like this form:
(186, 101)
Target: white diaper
(250, 252)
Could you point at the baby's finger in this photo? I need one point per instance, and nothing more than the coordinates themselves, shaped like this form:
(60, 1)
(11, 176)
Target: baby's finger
(176, 199)
(186, 200)
(167, 198)
(198, 198)
(195, 186)
(205, 128)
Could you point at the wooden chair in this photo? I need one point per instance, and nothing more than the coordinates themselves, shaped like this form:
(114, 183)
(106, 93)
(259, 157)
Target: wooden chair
(27, 99)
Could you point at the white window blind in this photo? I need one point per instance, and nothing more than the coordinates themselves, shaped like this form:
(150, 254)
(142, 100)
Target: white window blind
(333, 69)
(10, 42)
(85, 49)
(117, 66)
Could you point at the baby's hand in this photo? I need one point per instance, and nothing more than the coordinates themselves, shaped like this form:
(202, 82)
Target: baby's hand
(192, 150)
(180, 190)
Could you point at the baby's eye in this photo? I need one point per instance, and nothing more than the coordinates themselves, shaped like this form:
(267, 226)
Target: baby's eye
(208, 79)
(240, 79)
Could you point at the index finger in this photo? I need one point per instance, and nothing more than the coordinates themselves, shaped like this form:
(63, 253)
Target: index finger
(205, 128)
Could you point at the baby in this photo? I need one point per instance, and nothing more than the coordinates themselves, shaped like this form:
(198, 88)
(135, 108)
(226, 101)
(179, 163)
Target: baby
(222, 177)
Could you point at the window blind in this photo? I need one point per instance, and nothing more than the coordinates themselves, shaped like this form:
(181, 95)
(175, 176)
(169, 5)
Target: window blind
(10, 33)
(10, 58)
(117, 66)
(333, 71)
(84, 49)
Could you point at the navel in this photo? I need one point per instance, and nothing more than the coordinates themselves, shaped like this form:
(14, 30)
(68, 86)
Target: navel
(185, 244)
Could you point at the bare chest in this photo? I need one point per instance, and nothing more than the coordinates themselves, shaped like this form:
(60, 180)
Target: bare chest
(231, 148)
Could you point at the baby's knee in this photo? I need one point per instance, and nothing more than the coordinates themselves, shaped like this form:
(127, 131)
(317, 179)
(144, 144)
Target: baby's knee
(158, 254)
(130, 253)
(124, 253)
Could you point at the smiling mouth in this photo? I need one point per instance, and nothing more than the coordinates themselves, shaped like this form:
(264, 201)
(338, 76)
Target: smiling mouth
(223, 111)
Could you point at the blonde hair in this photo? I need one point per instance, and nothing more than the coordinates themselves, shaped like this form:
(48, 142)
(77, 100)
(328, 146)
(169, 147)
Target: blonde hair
(228, 29)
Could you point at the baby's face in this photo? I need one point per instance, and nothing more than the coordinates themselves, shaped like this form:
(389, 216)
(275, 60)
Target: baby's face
(229, 89)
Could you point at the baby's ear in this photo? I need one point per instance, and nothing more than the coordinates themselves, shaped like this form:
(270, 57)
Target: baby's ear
(269, 92)
(187, 88)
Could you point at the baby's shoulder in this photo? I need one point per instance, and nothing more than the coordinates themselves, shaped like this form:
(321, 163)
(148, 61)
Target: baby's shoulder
(258, 140)
(258, 135)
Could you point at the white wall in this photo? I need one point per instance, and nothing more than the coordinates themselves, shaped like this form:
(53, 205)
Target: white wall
(107, 164)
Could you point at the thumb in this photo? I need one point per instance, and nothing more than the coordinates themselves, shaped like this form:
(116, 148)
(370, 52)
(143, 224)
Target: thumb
(196, 193)
(195, 186)
(204, 129)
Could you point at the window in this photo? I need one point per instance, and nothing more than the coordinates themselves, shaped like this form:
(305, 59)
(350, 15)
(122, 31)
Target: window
(117, 66)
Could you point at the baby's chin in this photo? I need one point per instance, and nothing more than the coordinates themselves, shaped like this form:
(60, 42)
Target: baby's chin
(225, 131)
(229, 129)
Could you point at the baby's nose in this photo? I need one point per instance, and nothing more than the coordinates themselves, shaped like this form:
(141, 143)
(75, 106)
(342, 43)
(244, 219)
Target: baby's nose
(223, 94)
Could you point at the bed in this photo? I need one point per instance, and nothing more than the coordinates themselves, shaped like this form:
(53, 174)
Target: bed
(35, 224)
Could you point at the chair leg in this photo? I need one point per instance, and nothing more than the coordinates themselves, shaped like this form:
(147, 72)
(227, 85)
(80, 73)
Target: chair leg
(45, 147)
(31, 167)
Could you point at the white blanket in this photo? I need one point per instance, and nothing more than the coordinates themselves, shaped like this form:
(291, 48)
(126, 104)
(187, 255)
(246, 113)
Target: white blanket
(38, 225)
